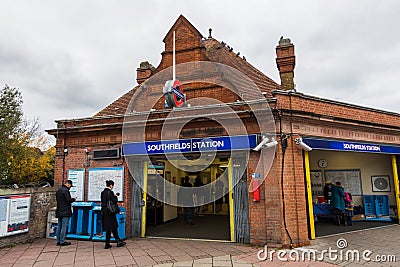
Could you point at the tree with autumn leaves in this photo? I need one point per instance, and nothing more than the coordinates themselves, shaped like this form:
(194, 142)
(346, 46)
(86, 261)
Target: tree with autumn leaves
(25, 154)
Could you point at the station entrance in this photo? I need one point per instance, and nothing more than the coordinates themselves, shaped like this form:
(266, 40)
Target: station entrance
(206, 211)
(370, 182)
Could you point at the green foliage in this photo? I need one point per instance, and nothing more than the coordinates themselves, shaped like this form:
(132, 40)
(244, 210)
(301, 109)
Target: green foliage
(22, 160)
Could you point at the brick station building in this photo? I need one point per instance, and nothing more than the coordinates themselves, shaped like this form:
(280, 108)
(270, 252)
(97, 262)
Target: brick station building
(353, 144)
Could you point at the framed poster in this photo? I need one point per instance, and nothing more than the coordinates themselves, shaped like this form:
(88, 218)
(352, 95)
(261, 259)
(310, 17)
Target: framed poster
(317, 186)
(97, 178)
(167, 187)
(14, 214)
(77, 177)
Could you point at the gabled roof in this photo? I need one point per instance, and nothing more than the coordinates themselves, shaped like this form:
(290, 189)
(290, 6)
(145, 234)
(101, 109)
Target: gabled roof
(215, 52)
(182, 20)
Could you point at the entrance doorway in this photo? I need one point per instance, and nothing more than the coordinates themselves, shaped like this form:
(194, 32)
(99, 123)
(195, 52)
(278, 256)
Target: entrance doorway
(368, 178)
(210, 215)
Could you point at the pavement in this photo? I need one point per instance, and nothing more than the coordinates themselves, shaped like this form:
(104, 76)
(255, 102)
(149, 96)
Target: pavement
(372, 246)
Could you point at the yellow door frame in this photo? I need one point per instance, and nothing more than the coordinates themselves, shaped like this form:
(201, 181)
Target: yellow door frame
(145, 171)
(231, 208)
(396, 185)
(309, 195)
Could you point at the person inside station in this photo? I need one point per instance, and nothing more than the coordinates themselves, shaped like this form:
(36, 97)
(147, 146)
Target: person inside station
(188, 212)
(199, 194)
(337, 202)
(327, 191)
(349, 208)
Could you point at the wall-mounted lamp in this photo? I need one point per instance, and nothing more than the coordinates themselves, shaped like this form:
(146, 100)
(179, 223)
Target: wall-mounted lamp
(87, 152)
(266, 143)
(65, 151)
(303, 145)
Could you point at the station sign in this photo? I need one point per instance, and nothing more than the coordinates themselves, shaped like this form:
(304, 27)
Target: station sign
(221, 143)
(328, 144)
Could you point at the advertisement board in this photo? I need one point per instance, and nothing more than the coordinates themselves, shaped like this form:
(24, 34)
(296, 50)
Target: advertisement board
(14, 214)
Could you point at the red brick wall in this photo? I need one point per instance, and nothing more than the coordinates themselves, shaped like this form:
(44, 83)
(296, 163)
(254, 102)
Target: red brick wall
(266, 216)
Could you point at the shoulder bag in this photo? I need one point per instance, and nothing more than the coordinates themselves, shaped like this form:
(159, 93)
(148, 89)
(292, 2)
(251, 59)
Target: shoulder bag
(112, 207)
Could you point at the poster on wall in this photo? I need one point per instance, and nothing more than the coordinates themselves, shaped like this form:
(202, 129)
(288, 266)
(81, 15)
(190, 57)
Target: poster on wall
(14, 214)
(317, 185)
(97, 182)
(77, 177)
(350, 179)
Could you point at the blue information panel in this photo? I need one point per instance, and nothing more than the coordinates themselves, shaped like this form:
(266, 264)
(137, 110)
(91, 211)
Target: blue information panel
(327, 144)
(223, 143)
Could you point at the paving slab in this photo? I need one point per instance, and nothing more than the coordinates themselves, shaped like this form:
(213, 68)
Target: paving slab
(194, 253)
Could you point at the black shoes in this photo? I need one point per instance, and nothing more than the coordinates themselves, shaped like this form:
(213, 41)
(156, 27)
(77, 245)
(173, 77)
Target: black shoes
(121, 243)
(63, 244)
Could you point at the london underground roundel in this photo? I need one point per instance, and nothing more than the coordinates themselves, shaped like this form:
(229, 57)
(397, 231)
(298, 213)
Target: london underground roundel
(174, 96)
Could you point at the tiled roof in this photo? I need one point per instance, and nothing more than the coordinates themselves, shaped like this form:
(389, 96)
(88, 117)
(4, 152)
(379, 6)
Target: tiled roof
(215, 52)
(119, 106)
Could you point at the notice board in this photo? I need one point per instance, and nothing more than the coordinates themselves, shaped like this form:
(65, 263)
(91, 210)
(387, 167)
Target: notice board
(77, 177)
(14, 214)
(97, 182)
(350, 179)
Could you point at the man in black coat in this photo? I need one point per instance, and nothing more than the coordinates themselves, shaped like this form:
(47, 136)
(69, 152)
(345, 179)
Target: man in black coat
(63, 212)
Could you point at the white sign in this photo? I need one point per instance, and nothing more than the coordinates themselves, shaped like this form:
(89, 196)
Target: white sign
(14, 214)
(97, 182)
(78, 178)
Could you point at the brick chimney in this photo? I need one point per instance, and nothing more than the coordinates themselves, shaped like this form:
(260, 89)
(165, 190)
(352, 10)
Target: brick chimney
(285, 60)
(144, 71)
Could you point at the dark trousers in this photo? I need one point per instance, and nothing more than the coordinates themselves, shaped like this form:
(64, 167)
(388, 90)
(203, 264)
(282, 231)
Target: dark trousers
(340, 217)
(187, 210)
(115, 234)
(349, 220)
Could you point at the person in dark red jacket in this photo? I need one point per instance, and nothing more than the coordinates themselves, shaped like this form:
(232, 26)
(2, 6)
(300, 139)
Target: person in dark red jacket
(63, 212)
(109, 220)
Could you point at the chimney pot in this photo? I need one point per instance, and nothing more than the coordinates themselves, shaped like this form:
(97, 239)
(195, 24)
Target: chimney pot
(285, 61)
(144, 71)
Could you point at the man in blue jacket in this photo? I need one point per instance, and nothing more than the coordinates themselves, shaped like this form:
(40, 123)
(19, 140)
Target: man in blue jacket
(63, 212)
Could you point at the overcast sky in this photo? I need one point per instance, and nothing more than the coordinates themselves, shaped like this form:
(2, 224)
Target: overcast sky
(72, 58)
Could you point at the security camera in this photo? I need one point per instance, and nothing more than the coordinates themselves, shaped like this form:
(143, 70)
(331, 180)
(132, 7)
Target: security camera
(265, 143)
(273, 143)
(303, 145)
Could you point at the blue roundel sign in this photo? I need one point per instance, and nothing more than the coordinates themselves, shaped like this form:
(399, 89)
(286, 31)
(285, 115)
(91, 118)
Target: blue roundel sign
(173, 93)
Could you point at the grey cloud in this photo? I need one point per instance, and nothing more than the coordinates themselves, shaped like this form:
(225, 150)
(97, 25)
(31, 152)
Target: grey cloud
(72, 60)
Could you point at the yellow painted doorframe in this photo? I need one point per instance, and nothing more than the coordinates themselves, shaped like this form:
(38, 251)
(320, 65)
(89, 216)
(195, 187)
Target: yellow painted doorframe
(145, 171)
(309, 195)
(231, 208)
(396, 185)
